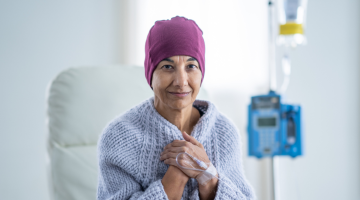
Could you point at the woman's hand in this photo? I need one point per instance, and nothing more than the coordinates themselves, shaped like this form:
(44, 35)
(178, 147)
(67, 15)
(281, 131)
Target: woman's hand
(174, 173)
(191, 146)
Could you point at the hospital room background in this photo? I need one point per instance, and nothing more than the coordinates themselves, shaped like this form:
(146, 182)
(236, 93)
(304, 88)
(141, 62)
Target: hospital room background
(40, 39)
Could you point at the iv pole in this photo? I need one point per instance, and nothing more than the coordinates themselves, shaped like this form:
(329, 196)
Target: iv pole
(272, 82)
(271, 43)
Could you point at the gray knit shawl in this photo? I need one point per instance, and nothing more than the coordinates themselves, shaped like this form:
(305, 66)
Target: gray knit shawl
(129, 154)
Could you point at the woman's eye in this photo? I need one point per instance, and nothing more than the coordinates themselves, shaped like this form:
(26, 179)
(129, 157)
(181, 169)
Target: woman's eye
(167, 67)
(192, 66)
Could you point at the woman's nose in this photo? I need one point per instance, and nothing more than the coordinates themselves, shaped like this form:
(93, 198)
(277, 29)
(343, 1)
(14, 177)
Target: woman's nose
(181, 78)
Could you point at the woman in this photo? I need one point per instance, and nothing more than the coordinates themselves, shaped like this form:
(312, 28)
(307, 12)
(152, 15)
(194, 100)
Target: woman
(138, 150)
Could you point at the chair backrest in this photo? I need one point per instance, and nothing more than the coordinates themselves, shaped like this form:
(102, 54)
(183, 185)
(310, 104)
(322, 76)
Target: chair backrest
(80, 103)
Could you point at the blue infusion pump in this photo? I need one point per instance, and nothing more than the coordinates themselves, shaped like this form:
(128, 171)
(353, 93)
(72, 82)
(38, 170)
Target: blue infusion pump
(274, 128)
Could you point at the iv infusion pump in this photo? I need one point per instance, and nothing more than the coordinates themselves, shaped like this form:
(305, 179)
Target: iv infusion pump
(274, 129)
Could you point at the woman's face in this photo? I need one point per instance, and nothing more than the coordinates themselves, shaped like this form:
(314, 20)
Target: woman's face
(176, 81)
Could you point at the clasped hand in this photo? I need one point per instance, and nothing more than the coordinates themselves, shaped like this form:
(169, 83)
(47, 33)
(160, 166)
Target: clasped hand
(191, 146)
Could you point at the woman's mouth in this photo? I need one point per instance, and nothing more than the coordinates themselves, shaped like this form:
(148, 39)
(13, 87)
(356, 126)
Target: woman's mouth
(180, 94)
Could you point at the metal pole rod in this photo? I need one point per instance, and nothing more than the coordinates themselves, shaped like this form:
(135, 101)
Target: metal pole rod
(273, 184)
(272, 61)
(272, 80)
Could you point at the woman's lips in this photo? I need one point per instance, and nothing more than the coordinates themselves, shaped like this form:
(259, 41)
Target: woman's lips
(180, 94)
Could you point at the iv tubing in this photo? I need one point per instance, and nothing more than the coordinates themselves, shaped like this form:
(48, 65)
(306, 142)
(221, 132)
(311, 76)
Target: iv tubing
(203, 165)
(286, 67)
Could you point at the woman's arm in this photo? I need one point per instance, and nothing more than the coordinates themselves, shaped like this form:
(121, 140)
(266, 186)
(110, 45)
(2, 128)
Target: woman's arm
(174, 182)
(208, 191)
(232, 183)
(117, 155)
(196, 149)
(123, 186)
(116, 184)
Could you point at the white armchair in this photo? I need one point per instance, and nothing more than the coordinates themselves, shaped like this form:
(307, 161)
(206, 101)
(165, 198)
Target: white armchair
(80, 102)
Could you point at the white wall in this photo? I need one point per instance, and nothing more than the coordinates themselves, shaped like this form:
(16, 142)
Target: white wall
(38, 39)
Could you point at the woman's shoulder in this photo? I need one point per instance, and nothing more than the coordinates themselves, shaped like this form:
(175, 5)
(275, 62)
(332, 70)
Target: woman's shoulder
(223, 122)
(125, 129)
(226, 129)
(220, 120)
(228, 136)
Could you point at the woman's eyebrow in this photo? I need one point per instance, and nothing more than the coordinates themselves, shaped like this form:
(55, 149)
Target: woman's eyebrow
(168, 59)
(191, 59)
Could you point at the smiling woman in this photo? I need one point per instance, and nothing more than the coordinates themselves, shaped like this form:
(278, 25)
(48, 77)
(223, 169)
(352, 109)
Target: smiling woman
(139, 150)
(176, 83)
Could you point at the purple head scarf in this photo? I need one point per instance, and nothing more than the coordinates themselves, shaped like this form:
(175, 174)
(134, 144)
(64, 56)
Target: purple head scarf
(178, 36)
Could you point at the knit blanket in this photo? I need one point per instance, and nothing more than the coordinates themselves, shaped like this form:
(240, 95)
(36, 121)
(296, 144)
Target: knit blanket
(129, 154)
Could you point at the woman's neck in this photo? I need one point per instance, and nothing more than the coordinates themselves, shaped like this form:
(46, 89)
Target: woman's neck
(184, 119)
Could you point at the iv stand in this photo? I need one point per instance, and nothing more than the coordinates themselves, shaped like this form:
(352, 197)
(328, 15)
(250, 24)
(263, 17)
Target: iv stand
(271, 43)
(272, 83)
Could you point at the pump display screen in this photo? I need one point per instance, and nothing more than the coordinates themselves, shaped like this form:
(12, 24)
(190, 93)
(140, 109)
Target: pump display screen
(266, 121)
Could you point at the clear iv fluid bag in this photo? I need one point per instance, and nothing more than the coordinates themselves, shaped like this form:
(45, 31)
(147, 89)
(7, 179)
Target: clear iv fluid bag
(292, 17)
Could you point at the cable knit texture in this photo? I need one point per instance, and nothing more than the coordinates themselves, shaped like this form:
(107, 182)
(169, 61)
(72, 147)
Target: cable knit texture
(130, 146)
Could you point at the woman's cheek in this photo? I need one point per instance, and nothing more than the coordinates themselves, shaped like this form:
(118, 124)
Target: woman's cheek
(196, 82)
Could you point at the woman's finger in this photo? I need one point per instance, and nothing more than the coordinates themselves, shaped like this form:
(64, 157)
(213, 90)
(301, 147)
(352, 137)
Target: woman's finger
(171, 161)
(190, 173)
(168, 155)
(176, 150)
(179, 143)
(167, 146)
(190, 139)
(175, 143)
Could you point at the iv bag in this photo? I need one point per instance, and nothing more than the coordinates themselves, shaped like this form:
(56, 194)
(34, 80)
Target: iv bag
(292, 16)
